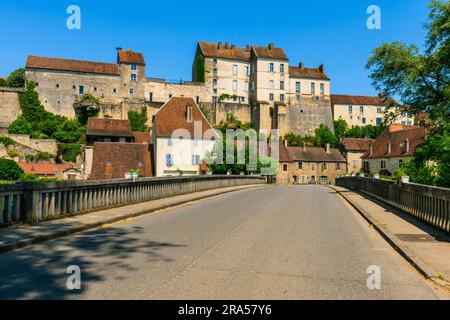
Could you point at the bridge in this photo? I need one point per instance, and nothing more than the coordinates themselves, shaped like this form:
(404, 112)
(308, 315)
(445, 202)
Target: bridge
(256, 241)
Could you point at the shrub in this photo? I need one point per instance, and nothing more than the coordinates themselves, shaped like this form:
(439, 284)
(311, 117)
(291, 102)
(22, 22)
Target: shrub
(17, 78)
(6, 141)
(28, 177)
(9, 170)
(70, 151)
(12, 153)
(138, 120)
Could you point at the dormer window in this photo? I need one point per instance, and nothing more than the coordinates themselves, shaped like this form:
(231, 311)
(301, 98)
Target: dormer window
(133, 67)
(189, 113)
(133, 77)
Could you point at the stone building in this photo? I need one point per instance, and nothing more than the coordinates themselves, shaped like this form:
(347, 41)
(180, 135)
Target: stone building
(9, 106)
(307, 165)
(353, 149)
(396, 144)
(365, 110)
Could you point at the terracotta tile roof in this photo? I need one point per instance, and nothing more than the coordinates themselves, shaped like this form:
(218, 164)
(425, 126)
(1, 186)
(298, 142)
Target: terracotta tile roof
(129, 56)
(356, 144)
(43, 169)
(173, 116)
(284, 155)
(309, 154)
(35, 62)
(111, 160)
(142, 137)
(109, 127)
(307, 73)
(359, 100)
(215, 50)
(397, 136)
(267, 53)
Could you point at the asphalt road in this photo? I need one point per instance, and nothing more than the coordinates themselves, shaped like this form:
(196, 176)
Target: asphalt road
(268, 243)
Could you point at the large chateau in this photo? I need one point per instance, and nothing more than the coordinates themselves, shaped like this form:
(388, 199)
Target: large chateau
(254, 83)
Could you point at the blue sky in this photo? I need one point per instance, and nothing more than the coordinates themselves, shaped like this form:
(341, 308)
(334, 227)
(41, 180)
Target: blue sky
(315, 32)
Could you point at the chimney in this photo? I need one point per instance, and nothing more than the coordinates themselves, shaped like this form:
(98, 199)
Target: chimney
(389, 147)
(304, 146)
(233, 46)
(327, 148)
(407, 146)
(322, 68)
(227, 45)
(271, 46)
(301, 65)
(247, 47)
(370, 149)
(219, 45)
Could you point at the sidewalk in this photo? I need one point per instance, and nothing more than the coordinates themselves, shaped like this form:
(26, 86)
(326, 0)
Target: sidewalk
(20, 236)
(427, 249)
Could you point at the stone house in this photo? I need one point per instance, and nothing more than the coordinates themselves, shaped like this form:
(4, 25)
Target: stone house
(364, 110)
(63, 171)
(396, 144)
(353, 149)
(181, 137)
(308, 165)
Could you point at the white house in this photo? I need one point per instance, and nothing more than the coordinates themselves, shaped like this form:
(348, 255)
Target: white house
(181, 138)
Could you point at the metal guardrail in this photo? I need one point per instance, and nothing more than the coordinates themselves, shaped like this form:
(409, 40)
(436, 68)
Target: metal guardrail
(426, 203)
(36, 202)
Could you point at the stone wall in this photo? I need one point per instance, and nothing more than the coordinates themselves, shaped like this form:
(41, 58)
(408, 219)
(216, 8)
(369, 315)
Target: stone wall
(9, 105)
(43, 145)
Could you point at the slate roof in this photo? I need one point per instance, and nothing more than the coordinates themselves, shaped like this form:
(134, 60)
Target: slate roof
(59, 64)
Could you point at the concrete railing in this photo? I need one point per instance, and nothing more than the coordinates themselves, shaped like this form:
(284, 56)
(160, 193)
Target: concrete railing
(426, 203)
(36, 202)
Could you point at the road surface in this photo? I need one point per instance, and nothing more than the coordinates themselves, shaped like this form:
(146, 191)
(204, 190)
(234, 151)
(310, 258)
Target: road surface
(267, 243)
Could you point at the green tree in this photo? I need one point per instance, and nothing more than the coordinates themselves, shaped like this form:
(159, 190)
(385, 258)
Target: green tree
(325, 135)
(16, 78)
(9, 170)
(138, 120)
(340, 127)
(420, 78)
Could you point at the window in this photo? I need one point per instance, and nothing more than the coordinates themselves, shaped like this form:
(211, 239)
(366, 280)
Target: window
(234, 85)
(197, 99)
(297, 97)
(234, 69)
(350, 109)
(215, 90)
(300, 165)
(282, 67)
(195, 159)
(150, 96)
(271, 84)
(133, 77)
(324, 166)
(247, 86)
(131, 91)
(313, 88)
(169, 142)
(281, 85)
(338, 166)
(379, 121)
(361, 109)
(313, 166)
(214, 61)
(74, 87)
(271, 67)
(379, 110)
(285, 167)
(383, 164)
(170, 96)
(364, 120)
(189, 113)
(322, 89)
(95, 89)
(169, 160)
(297, 87)
(281, 97)
(247, 71)
(133, 67)
(214, 72)
(81, 89)
(270, 96)
(214, 82)
(57, 85)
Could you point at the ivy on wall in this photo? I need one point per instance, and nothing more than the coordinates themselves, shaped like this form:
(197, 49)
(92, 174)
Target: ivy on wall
(200, 69)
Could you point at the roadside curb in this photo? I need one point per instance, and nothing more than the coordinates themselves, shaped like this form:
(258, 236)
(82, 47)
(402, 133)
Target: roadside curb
(409, 255)
(94, 225)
